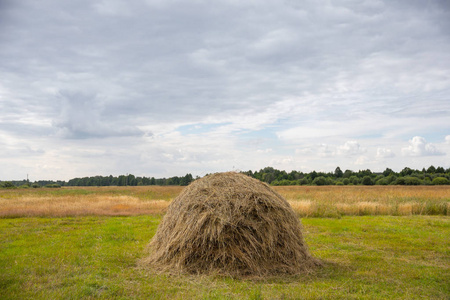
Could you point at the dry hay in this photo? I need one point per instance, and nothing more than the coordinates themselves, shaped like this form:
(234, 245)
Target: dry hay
(229, 224)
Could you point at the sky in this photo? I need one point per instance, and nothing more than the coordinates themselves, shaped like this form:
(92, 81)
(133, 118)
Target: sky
(164, 87)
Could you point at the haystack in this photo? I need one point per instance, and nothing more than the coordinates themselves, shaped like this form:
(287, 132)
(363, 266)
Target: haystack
(229, 224)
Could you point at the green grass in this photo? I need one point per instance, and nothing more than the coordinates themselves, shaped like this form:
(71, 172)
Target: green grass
(370, 257)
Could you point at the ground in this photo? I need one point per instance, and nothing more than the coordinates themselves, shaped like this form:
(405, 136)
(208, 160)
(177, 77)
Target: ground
(96, 257)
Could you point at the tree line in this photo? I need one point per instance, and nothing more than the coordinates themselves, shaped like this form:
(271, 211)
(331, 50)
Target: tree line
(129, 180)
(407, 176)
(430, 176)
(122, 180)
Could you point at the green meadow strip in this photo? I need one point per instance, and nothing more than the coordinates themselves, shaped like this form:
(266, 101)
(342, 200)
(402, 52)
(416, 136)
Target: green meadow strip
(365, 257)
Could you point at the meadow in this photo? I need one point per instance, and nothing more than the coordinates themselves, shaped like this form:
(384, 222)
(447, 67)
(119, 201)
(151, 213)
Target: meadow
(307, 201)
(85, 243)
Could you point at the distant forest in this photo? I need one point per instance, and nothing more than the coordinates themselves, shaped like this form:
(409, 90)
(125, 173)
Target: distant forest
(407, 176)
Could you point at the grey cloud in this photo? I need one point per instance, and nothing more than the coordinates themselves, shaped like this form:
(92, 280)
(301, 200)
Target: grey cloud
(163, 56)
(20, 151)
(24, 130)
(144, 64)
(82, 117)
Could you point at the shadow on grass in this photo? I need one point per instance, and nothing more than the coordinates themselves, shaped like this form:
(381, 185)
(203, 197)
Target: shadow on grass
(326, 270)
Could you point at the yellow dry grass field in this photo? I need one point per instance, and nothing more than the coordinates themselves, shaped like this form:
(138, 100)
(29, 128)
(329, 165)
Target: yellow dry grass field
(307, 201)
(367, 200)
(82, 201)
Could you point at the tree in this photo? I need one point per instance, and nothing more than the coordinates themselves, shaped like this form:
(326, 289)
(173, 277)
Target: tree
(122, 181)
(400, 181)
(186, 179)
(268, 170)
(406, 171)
(363, 173)
(440, 170)
(431, 169)
(381, 181)
(304, 181)
(294, 175)
(388, 172)
(354, 179)
(131, 180)
(320, 180)
(249, 173)
(440, 181)
(348, 173)
(268, 177)
(367, 180)
(411, 180)
(145, 181)
(338, 173)
(7, 184)
(390, 179)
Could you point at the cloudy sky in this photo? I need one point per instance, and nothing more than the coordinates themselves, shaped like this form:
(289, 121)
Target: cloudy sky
(165, 87)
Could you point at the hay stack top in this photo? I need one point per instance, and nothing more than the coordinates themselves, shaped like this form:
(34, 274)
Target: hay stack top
(230, 224)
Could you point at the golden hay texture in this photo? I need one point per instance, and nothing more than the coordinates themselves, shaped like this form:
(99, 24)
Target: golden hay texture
(229, 224)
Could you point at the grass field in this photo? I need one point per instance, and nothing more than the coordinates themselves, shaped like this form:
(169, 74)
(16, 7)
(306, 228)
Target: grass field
(369, 257)
(307, 201)
(67, 244)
